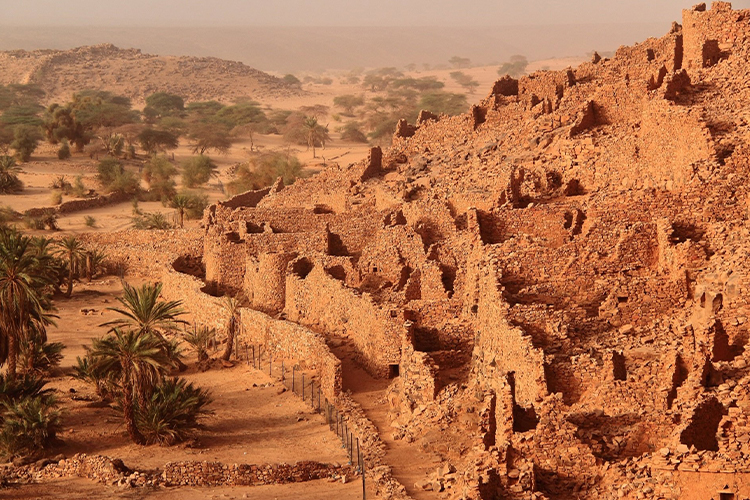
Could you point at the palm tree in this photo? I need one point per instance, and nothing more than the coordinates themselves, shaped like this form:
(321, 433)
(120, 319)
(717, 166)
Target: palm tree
(136, 361)
(55, 266)
(25, 307)
(315, 133)
(72, 249)
(182, 202)
(9, 182)
(145, 312)
(232, 308)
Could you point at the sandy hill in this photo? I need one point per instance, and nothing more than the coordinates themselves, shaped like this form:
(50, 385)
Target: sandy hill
(131, 73)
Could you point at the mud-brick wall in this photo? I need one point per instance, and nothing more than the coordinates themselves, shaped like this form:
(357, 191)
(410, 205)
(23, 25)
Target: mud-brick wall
(291, 341)
(323, 303)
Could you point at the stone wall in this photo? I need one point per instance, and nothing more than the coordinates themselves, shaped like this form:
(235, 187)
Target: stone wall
(502, 348)
(204, 309)
(417, 374)
(711, 33)
(218, 474)
(672, 140)
(89, 203)
(287, 340)
(323, 303)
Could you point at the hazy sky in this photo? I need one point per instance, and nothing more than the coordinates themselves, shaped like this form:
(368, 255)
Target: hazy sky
(339, 12)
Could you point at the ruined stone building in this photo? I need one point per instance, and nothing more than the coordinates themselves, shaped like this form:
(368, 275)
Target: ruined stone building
(556, 281)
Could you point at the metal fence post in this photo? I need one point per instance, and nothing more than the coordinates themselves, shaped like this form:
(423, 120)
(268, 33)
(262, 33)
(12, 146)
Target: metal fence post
(270, 364)
(294, 369)
(364, 491)
(282, 371)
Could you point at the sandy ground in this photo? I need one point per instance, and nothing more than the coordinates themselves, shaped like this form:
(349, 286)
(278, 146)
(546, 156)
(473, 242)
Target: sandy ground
(253, 421)
(84, 489)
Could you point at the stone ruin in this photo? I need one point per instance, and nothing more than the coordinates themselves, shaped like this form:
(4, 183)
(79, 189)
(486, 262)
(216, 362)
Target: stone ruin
(555, 282)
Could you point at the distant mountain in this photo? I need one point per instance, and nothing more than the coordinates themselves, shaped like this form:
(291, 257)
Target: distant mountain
(291, 49)
(131, 73)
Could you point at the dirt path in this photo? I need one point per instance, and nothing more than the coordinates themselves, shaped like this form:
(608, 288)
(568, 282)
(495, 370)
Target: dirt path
(409, 464)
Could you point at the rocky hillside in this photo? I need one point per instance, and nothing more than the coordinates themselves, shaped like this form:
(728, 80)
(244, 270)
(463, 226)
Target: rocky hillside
(560, 276)
(131, 73)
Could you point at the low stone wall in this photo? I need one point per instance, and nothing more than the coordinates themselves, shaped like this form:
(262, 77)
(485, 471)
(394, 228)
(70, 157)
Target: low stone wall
(79, 205)
(146, 253)
(289, 340)
(218, 474)
(89, 203)
(94, 467)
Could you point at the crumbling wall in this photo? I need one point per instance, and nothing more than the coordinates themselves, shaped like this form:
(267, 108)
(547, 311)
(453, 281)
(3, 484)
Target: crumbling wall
(417, 373)
(711, 33)
(501, 348)
(325, 304)
(672, 140)
(218, 474)
(546, 87)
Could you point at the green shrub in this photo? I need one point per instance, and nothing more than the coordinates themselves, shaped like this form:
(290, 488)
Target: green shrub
(172, 411)
(152, 221)
(64, 152)
(40, 357)
(25, 140)
(9, 170)
(61, 183)
(197, 171)
(79, 189)
(263, 170)
(115, 179)
(56, 197)
(48, 221)
(89, 220)
(29, 426)
(352, 132)
(158, 172)
(199, 339)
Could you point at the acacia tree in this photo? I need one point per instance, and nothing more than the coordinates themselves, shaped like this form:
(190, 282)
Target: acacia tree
(348, 102)
(208, 136)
